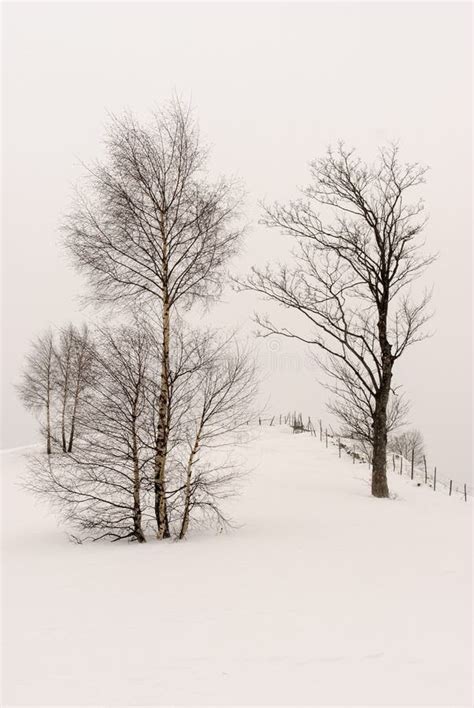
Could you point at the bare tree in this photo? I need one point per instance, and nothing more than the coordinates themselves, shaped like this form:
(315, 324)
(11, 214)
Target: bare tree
(63, 355)
(352, 276)
(36, 389)
(408, 443)
(83, 375)
(74, 371)
(150, 227)
(224, 386)
(98, 487)
(104, 488)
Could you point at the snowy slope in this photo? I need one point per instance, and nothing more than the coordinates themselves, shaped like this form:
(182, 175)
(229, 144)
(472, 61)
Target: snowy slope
(323, 596)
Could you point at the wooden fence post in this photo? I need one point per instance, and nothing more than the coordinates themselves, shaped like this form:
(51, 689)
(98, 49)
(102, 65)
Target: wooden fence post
(434, 480)
(339, 447)
(320, 430)
(450, 486)
(401, 464)
(412, 463)
(465, 492)
(326, 437)
(426, 471)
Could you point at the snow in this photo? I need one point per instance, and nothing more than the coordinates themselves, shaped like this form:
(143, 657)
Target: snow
(322, 595)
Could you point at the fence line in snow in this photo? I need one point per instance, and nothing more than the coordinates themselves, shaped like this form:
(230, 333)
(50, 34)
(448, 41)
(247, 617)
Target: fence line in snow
(400, 465)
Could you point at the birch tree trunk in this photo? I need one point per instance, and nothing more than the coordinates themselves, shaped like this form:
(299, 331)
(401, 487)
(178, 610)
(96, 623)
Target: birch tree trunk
(63, 411)
(74, 414)
(77, 393)
(161, 512)
(187, 493)
(48, 420)
(48, 399)
(137, 509)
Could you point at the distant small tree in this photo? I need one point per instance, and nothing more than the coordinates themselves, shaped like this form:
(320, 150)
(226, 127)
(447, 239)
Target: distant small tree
(37, 387)
(408, 443)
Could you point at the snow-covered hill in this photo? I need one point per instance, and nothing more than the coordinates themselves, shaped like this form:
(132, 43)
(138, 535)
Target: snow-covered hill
(323, 595)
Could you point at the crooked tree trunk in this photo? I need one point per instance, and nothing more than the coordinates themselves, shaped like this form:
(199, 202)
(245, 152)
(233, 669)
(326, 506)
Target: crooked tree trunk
(161, 512)
(187, 492)
(379, 458)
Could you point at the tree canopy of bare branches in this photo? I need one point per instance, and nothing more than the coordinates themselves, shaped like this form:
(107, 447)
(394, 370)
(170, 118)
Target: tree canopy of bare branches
(56, 378)
(357, 253)
(74, 375)
(407, 444)
(36, 387)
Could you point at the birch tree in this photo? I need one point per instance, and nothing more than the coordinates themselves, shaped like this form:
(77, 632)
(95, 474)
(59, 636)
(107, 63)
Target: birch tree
(37, 387)
(150, 227)
(74, 372)
(224, 387)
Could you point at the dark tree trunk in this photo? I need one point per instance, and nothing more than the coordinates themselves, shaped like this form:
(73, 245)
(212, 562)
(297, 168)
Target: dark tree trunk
(64, 404)
(379, 455)
(48, 439)
(71, 436)
(63, 426)
(74, 411)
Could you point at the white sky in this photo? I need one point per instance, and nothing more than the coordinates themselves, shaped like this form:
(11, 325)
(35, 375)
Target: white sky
(272, 85)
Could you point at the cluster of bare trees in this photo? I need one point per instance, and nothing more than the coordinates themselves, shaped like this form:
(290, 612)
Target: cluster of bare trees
(151, 234)
(104, 486)
(133, 410)
(357, 252)
(57, 377)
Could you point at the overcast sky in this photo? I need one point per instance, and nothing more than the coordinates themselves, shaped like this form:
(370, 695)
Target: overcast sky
(272, 86)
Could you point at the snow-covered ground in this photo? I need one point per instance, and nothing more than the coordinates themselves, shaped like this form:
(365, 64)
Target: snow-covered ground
(323, 596)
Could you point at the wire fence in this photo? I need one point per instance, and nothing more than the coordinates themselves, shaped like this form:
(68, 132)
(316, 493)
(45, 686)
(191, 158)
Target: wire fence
(399, 465)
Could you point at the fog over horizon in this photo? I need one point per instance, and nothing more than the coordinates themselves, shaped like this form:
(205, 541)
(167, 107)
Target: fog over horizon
(272, 86)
